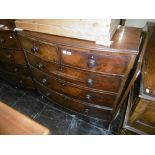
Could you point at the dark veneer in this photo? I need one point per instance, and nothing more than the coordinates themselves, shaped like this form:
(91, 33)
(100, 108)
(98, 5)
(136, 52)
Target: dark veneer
(81, 75)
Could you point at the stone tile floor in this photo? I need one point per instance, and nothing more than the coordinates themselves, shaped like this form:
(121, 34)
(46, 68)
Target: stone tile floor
(57, 119)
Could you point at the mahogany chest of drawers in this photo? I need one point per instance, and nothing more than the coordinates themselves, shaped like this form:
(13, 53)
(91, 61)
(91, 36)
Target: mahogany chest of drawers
(80, 75)
(13, 66)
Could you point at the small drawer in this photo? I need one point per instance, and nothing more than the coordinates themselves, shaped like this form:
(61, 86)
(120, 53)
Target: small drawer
(92, 97)
(12, 56)
(17, 69)
(74, 105)
(95, 61)
(8, 40)
(18, 80)
(76, 76)
(42, 49)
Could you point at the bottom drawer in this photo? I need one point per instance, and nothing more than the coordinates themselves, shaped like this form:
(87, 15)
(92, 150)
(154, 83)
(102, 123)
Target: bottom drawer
(73, 104)
(14, 68)
(21, 81)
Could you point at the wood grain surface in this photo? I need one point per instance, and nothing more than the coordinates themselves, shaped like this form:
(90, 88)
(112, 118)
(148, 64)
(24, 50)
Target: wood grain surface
(15, 123)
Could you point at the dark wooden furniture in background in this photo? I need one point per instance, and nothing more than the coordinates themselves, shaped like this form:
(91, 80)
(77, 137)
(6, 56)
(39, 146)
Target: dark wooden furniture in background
(80, 75)
(15, 123)
(13, 66)
(140, 114)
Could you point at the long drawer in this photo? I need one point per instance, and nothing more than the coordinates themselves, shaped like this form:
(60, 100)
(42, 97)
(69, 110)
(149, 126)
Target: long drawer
(39, 48)
(14, 68)
(18, 80)
(97, 98)
(13, 56)
(76, 76)
(74, 105)
(95, 61)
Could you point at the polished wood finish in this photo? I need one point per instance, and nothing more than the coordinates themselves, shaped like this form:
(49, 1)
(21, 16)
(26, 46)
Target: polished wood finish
(77, 76)
(74, 104)
(13, 65)
(44, 50)
(125, 40)
(148, 83)
(74, 91)
(140, 115)
(143, 117)
(94, 75)
(15, 123)
(8, 40)
(95, 61)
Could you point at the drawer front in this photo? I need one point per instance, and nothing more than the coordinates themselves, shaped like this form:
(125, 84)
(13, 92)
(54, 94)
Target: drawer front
(17, 69)
(44, 50)
(143, 117)
(12, 56)
(103, 63)
(74, 105)
(106, 100)
(19, 58)
(17, 80)
(76, 76)
(8, 40)
(6, 55)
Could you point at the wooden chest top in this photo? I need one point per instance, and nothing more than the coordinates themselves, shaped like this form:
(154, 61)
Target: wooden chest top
(125, 40)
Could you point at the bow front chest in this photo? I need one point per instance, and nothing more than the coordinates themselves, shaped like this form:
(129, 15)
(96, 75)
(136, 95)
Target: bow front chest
(80, 75)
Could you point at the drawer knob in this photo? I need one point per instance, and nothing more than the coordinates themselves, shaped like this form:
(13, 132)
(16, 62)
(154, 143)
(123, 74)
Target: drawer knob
(44, 80)
(20, 81)
(9, 56)
(88, 97)
(48, 94)
(89, 82)
(16, 70)
(86, 110)
(40, 65)
(63, 84)
(91, 63)
(34, 49)
(2, 40)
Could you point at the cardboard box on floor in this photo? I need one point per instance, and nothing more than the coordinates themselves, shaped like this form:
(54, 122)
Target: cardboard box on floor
(98, 30)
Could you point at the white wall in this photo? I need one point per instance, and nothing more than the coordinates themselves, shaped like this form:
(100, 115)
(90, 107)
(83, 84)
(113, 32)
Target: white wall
(137, 22)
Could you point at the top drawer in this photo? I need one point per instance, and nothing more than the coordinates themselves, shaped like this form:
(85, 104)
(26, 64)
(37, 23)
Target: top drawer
(39, 48)
(96, 62)
(8, 40)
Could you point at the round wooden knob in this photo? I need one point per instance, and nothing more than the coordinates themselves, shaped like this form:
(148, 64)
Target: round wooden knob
(44, 80)
(48, 94)
(40, 65)
(34, 49)
(63, 84)
(16, 70)
(9, 56)
(89, 82)
(88, 97)
(91, 63)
